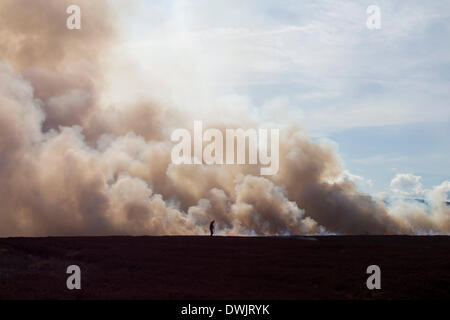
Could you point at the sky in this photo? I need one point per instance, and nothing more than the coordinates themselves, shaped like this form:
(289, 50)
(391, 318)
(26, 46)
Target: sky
(87, 117)
(381, 95)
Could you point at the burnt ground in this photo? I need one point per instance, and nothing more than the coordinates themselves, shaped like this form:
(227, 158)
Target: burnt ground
(331, 267)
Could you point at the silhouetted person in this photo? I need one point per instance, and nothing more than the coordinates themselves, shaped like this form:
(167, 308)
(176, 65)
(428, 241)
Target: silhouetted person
(211, 227)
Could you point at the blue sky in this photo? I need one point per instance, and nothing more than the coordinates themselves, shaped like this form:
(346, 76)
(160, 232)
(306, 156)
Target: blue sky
(382, 95)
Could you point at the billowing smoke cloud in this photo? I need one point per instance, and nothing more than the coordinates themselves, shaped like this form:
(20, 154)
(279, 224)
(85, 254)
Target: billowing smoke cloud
(425, 211)
(70, 165)
(407, 184)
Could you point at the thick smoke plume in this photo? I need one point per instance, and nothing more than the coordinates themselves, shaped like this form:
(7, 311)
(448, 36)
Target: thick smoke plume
(70, 165)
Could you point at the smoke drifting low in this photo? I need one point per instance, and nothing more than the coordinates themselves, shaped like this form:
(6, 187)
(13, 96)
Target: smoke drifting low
(70, 165)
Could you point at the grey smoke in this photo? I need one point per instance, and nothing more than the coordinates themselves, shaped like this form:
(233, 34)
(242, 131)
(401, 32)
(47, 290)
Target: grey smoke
(72, 166)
